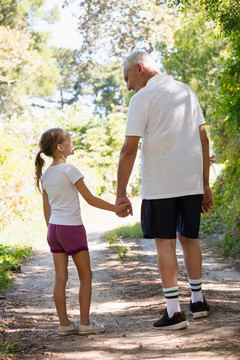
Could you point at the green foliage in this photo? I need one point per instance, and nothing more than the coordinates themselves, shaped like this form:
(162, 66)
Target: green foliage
(10, 259)
(108, 87)
(18, 13)
(131, 231)
(225, 128)
(226, 124)
(9, 346)
(194, 56)
(79, 79)
(26, 64)
(98, 156)
(122, 250)
(16, 201)
(75, 74)
(227, 208)
(97, 142)
(115, 236)
(113, 28)
(14, 189)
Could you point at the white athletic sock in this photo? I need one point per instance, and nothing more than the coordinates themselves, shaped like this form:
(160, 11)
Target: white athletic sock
(196, 290)
(171, 295)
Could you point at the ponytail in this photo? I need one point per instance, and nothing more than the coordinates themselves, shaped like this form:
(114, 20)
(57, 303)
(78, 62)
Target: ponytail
(48, 143)
(39, 163)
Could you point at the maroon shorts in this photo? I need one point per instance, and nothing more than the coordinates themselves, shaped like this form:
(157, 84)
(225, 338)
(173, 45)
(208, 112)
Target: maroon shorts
(67, 238)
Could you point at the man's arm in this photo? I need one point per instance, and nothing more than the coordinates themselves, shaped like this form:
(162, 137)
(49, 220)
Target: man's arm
(125, 166)
(207, 196)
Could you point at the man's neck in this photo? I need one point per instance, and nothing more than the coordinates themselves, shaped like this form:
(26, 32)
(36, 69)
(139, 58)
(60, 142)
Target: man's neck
(151, 74)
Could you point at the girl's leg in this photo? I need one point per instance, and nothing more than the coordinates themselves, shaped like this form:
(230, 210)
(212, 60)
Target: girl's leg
(61, 277)
(82, 262)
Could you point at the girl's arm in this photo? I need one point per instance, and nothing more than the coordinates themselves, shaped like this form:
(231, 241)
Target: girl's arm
(46, 207)
(97, 202)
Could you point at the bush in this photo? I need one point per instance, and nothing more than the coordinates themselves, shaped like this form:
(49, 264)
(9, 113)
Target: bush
(10, 259)
(16, 176)
(224, 219)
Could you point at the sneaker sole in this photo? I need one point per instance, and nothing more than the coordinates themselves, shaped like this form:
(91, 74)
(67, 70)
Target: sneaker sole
(179, 326)
(200, 314)
(67, 333)
(92, 332)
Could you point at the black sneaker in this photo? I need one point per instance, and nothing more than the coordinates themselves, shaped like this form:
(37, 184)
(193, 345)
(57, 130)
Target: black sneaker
(199, 309)
(176, 322)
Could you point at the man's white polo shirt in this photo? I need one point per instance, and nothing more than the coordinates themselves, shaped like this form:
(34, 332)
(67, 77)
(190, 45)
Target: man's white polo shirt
(167, 115)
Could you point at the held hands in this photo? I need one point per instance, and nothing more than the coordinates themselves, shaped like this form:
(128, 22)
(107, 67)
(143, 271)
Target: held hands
(125, 207)
(207, 202)
(124, 210)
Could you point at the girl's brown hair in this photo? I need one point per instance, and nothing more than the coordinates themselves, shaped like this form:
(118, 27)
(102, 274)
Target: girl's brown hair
(48, 143)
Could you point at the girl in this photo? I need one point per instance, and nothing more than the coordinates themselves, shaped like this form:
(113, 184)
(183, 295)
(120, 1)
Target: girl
(66, 234)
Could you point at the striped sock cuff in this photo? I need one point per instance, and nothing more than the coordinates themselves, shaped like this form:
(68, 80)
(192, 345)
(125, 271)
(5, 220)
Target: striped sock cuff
(196, 285)
(171, 293)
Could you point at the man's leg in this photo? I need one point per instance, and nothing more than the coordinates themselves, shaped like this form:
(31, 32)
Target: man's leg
(167, 261)
(168, 268)
(172, 318)
(192, 256)
(193, 264)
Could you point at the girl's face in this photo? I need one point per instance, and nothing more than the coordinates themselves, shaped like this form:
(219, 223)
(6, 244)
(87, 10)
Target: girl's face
(67, 146)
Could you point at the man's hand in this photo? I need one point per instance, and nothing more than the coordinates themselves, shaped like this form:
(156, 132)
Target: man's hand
(124, 200)
(207, 202)
(125, 166)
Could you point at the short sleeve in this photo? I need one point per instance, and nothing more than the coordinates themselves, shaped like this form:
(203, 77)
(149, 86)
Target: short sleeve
(197, 111)
(73, 174)
(137, 117)
(42, 184)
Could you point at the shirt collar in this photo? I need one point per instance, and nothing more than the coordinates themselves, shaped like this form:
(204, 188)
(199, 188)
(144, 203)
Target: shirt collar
(156, 78)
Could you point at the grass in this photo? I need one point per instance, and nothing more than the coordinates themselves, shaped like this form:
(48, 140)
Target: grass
(115, 236)
(8, 347)
(129, 231)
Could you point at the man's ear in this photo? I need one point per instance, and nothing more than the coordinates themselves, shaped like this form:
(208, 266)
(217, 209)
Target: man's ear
(140, 68)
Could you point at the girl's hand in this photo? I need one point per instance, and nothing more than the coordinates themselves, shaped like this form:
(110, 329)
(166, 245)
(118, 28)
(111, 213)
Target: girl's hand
(123, 200)
(124, 209)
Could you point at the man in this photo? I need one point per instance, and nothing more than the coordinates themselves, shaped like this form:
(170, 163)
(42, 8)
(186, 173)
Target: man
(166, 114)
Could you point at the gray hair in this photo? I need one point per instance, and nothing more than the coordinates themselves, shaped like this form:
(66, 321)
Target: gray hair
(139, 57)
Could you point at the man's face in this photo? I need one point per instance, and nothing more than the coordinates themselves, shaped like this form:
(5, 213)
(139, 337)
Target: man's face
(134, 78)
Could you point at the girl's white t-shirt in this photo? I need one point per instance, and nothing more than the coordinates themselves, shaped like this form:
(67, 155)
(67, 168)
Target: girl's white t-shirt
(167, 115)
(58, 182)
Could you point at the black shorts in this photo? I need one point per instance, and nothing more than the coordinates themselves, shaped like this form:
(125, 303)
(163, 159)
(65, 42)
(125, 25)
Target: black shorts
(162, 218)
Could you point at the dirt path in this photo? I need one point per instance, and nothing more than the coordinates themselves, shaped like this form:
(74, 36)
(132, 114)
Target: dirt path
(126, 298)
